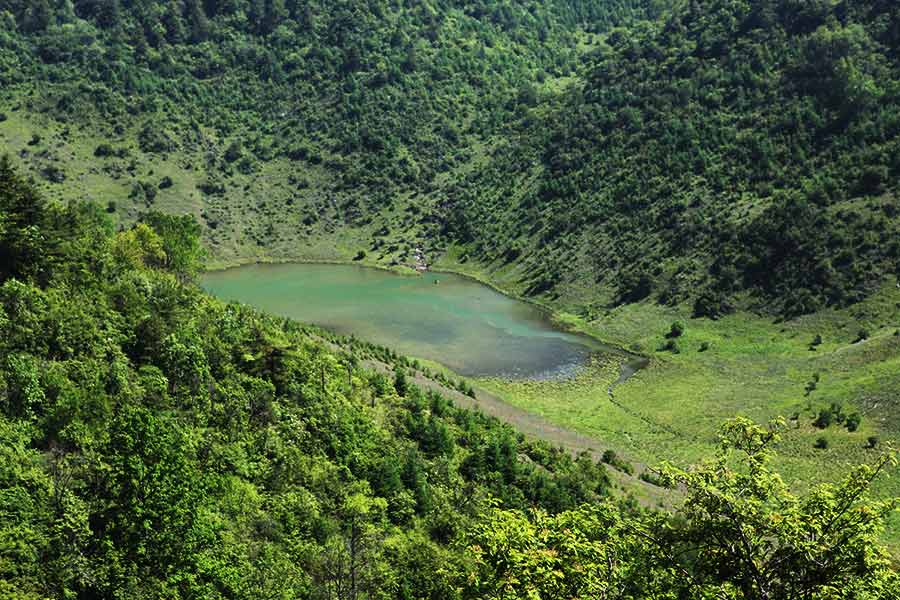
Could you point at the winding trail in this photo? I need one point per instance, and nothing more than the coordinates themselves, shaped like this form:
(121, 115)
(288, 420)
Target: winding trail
(536, 427)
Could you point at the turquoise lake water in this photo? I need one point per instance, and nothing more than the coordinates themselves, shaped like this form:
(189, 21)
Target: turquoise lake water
(453, 320)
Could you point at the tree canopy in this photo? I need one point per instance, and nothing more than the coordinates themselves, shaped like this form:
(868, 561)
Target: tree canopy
(158, 443)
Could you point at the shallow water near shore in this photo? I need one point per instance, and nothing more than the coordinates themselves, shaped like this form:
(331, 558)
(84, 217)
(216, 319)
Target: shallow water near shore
(458, 322)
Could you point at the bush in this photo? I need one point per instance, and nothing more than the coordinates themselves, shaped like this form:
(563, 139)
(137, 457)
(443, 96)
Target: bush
(825, 418)
(821, 443)
(872, 441)
(212, 187)
(103, 150)
(400, 383)
(654, 479)
(2, 117)
(853, 422)
(671, 346)
(862, 335)
(811, 385)
(817, 341)
(712, 305)
(152, 140)
(704, 346)
(246, 165)
(677, 330)
(360, 255)
(53, 174)
(234, 151)
(111, 206)
(166, 183)
(612, 459)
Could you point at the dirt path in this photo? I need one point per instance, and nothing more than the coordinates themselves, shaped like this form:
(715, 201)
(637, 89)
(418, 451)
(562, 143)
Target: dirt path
(536, 427)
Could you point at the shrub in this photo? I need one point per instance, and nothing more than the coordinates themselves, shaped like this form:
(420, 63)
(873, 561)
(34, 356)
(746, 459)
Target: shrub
(212, 187)
(817, 341)
(111, 206)
(862, 335)
(2, 117)
(234, 151)
(712, 305)
(152, 140)
(704, 346)
(612, 459)
(53, 174)
(872, 441)
(821, 443)
(811, 385)
(400, 383)
(825, 418)
(677, 330)
(654, 479)
(671, 346)
(103, 150)
(35, 140)
(360, 255)
(853, 422)
(166, 183)
(838, 411)
(246, 165)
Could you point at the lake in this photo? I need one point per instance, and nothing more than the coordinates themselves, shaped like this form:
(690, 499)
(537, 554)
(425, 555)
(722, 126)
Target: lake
(455, 321)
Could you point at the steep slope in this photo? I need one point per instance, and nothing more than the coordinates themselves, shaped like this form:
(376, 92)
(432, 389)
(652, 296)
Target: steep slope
(732, 147)
(157, 443)
(279, 123)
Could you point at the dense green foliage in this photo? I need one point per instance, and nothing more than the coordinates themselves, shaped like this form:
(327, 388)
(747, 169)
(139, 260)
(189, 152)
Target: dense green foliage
(155, 442)
(715, 148)
(732, 146)
(158, 443)
(385, 95)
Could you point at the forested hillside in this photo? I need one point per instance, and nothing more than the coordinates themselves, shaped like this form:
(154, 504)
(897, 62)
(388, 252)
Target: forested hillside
(698, 156)
(158, 443)
(323, 112)
(732, 146)
(699, 151)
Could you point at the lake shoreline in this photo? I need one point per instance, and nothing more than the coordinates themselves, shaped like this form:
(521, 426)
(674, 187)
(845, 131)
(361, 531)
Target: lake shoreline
(633, 362)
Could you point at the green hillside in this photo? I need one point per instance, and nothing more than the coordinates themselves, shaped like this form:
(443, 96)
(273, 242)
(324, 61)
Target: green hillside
(158, 443)
(722, 154)
(276, 123)
(733, 154)
(713, 185)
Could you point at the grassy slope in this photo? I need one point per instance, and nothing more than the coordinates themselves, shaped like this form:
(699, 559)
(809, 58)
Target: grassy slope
(754, 366)
(260, 217)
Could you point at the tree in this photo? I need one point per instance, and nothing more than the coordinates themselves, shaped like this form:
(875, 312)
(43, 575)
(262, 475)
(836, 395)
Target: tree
(677, 330)
(349, 567)
(37, 16)
(589, 552)
(198, 24)
(26, 240)
(743, 534)
(138, 247)
(400, 383)
(181, 242)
